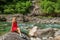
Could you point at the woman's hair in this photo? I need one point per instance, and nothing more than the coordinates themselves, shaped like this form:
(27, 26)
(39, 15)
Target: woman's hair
(14, 18)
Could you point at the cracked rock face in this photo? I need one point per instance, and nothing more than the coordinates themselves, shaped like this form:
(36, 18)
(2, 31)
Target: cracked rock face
(13, 36)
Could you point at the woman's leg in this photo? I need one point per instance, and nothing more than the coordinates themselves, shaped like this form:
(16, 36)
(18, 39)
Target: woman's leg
(18, 30)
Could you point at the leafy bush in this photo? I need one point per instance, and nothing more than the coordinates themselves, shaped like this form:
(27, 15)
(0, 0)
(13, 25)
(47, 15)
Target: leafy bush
(15, 6)
(8, 9)
(22, 7)
(50, 6)
(57, 8)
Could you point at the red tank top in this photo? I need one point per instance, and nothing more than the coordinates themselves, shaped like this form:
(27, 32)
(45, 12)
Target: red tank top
(14, 26)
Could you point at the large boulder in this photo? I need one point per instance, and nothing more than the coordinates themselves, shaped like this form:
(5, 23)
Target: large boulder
(13, 36)
(42, 34)
(45, 33)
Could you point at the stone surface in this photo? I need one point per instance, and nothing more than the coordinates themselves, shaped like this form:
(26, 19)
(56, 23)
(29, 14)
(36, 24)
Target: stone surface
(2, 18)
(13, 36)
(31, 18)
(42, 34)
(57, 38)
(32, 38)
(57, 33)
(48, 32)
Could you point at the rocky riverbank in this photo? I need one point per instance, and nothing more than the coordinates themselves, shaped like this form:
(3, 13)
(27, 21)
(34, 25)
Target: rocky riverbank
(42, 34)
(29, 18)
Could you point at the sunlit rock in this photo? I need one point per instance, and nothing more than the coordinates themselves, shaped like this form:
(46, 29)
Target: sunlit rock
(33, 31)
(57, 38)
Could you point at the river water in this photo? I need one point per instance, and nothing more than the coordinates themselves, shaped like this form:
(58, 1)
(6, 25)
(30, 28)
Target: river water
(5, 26)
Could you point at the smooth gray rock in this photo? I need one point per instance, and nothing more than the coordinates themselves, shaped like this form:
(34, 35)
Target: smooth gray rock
(13, 36)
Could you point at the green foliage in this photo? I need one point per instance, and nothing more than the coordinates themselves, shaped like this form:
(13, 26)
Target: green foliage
(50, 10)
(8, 9)
(47, 6)
(50, 6)
(22, 7)
(15, 6)
(57, 8)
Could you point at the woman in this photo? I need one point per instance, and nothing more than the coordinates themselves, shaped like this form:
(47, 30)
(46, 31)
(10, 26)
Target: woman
(15, 26)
